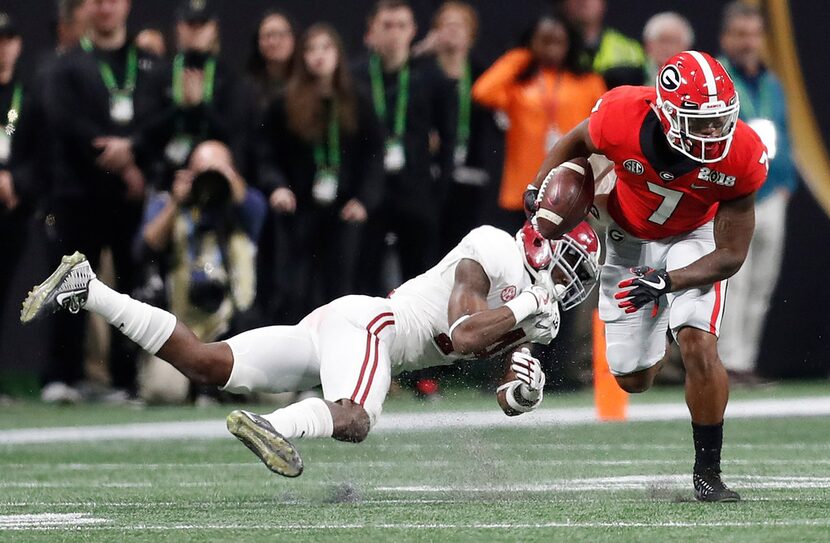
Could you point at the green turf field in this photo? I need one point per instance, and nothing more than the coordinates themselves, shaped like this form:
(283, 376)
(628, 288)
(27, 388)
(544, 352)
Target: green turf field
(577, 482)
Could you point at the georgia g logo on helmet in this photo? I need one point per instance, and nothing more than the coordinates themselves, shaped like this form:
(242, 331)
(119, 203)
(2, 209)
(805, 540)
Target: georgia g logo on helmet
(670, 78)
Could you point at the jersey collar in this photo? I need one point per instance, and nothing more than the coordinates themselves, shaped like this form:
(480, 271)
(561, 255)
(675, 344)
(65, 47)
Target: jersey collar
(660, 156)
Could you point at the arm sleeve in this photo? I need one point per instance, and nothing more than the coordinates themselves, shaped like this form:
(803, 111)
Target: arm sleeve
(596, 121)
(493, 88)
(269, 143)
(251, 213)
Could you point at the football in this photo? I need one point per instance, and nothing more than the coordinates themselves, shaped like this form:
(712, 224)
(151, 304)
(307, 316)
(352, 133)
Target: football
(565, 198)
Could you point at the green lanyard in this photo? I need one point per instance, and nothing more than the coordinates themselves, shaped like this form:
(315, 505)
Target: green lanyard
(379, 94)
(178, 80)
(765, 109)
(332, 145)
(14, 110)
(109, 77)
(464, 105)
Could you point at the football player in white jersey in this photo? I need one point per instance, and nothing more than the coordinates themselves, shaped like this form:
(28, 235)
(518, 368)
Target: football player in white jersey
(492, 295)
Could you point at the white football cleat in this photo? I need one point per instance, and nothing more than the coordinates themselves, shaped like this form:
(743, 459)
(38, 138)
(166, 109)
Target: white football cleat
(67, 288)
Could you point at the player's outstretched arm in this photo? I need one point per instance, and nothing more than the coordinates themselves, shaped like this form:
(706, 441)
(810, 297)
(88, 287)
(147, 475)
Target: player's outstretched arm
(474, 327)
(521, 387)
(734, 225)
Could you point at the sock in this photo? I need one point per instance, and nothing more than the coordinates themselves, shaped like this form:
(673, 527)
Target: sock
(146, 325)
(308, 418)
(708, 440)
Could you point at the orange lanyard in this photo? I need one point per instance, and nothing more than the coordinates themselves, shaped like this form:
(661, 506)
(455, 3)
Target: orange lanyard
(549, 95)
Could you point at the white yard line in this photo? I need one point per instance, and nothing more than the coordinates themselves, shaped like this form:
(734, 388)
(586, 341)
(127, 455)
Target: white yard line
(414, 422)
(47, 521)
(247, 528)
(395, 465)
(623, 482)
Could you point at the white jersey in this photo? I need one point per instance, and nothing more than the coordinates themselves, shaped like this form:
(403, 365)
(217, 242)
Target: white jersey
(420, 305)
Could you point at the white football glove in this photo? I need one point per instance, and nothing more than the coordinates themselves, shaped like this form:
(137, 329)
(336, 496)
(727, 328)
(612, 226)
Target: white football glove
(524, 394)
(528, 370)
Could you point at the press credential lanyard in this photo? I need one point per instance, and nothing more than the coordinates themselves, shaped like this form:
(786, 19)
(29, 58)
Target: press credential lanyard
(109, 77)
(14, 110)
(464, 107)
(329, 161)
(178, 80)
(379, 94)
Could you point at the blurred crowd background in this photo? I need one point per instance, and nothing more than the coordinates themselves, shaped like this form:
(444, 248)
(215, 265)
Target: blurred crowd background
(241, 163)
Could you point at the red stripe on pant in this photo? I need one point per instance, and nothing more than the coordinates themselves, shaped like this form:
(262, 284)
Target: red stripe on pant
(369, 334)
(375, 362)
(715, 310)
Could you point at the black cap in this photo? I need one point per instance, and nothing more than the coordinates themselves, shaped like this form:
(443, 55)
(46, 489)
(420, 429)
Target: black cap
(7, 28)
(196, 10)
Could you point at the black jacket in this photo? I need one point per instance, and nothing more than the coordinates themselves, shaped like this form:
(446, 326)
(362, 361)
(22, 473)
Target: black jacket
(286, 160)
(431, 107)
(81, 105)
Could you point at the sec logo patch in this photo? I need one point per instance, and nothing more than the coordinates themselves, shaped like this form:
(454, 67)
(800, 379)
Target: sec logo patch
(634, 166)
(508, 293)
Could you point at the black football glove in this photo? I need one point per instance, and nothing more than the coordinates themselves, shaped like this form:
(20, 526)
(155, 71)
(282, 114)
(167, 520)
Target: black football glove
(648, 286)
(529, 200)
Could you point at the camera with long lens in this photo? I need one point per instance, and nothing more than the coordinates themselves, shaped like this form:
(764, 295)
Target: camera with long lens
(210, 197)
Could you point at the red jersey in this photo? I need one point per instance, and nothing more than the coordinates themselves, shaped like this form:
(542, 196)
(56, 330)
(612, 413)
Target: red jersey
(653, 198)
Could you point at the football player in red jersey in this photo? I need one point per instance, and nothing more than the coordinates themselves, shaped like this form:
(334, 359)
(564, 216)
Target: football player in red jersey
(680, 219)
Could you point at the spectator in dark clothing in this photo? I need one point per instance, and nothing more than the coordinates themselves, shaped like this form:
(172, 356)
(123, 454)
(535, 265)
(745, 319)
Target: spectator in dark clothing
(322, 166)
(269, 63)
(453, 33)
(18, 158)
(103, 91)
(267, 70)
(414, 101)
(206, 100)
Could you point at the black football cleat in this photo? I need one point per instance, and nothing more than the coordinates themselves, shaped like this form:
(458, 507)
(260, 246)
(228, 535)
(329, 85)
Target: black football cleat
(276, 452)
(710, 488)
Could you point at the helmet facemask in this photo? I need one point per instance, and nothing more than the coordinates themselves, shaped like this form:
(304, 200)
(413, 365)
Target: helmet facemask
(687, 129)
(574, 272)
(565, 265)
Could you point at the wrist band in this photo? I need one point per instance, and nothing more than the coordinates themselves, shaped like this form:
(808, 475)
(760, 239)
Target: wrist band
(455, 325)
(522, 306)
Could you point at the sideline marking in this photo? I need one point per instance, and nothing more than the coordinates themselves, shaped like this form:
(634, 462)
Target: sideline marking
(416, 422)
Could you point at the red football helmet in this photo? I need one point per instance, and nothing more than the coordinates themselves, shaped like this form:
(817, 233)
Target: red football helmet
(572, 261)
(698, 106)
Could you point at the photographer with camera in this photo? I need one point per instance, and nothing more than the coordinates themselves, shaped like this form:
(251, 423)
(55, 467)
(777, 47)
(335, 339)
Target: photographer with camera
(204, 234)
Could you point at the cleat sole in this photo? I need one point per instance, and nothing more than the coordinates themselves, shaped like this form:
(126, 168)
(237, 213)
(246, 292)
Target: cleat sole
(275, 451)
(39, 296)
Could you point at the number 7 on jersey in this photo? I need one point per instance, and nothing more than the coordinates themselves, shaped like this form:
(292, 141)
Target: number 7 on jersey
(670, 200)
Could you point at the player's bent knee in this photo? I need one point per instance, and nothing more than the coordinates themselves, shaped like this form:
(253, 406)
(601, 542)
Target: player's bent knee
(351, 422)
(634, 384)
